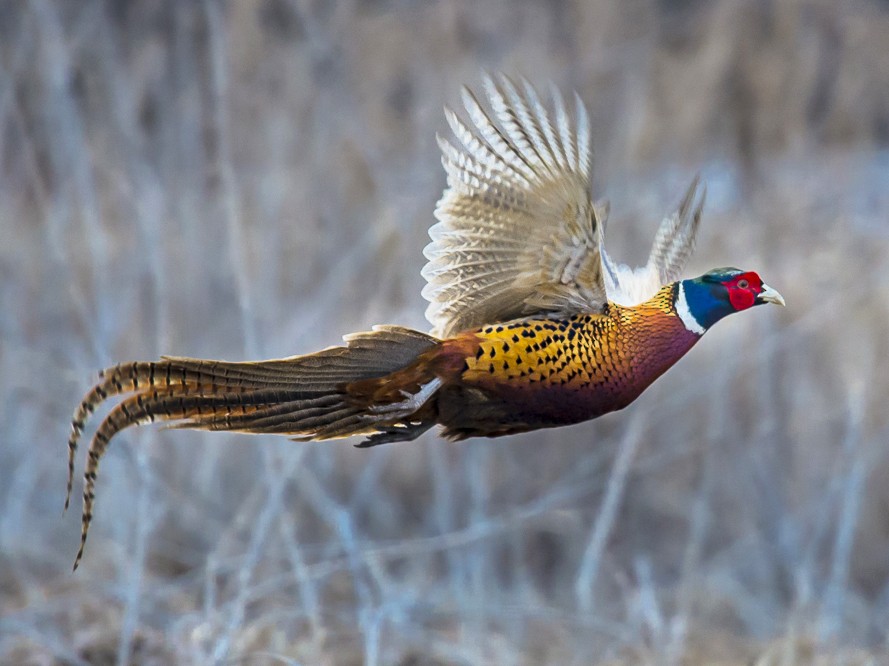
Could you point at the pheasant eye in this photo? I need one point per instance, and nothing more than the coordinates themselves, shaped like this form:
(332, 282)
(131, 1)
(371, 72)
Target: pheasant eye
(743, 284)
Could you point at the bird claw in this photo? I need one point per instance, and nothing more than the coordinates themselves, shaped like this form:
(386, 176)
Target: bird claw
(411, 403)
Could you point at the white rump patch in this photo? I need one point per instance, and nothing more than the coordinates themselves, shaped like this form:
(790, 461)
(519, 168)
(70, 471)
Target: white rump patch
(629, 286)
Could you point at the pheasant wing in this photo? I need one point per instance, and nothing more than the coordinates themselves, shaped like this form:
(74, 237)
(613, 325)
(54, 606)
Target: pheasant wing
(675, 239)
(673, 246)
(517, 233)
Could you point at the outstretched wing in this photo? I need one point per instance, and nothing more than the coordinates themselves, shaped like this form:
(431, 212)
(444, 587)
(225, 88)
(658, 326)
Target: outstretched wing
(675, 239)
(517, 232)
(673, 246)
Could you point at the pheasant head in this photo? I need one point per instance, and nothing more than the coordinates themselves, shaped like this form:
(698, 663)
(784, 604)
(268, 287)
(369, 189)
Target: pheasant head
(703, 301)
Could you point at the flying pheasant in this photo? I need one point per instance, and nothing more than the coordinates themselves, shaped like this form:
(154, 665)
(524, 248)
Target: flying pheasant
(533, 324)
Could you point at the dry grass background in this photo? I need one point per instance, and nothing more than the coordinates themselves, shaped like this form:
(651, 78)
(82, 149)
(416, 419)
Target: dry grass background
(254, 178)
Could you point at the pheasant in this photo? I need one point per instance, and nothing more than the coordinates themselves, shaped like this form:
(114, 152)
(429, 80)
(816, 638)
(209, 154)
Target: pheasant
(533, 324)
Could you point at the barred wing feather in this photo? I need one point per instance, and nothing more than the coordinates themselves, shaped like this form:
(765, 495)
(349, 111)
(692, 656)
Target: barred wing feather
(675, 239)
(517, 233)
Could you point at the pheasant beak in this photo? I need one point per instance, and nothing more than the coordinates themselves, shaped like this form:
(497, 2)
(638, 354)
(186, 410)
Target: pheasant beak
(769, 295)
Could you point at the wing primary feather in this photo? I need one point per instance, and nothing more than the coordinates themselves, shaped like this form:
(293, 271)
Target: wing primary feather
(510, 119)
(526, 122)
(482, 151)
(533, 118)
(552, 144)
(564, 124)
(493, 136)
(675, 240)
(584, 151)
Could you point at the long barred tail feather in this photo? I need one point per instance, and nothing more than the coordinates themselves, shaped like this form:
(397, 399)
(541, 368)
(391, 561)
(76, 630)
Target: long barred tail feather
(303, 396)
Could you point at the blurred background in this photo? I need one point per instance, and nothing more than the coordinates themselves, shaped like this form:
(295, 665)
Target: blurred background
(253, 179)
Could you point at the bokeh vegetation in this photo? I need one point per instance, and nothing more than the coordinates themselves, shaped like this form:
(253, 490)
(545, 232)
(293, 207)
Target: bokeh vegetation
(254, 178)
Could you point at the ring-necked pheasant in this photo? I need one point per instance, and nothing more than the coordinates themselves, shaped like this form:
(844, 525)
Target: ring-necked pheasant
(534, 325)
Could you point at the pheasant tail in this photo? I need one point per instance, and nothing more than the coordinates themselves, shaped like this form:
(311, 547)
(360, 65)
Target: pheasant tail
(333, 393)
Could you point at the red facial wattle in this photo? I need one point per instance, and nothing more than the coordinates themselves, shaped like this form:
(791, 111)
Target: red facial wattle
(742, 290)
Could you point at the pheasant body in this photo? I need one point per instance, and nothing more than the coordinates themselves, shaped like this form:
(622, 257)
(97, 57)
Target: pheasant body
(536, 373)
(534, 325)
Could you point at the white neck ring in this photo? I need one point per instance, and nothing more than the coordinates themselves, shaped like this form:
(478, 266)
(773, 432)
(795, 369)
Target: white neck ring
(688, 319)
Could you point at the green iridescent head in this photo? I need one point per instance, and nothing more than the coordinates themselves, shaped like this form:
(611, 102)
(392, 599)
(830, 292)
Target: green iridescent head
(703, 301)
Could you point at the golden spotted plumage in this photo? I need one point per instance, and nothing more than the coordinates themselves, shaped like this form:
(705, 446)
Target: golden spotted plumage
(577, 351)
(535, 372)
